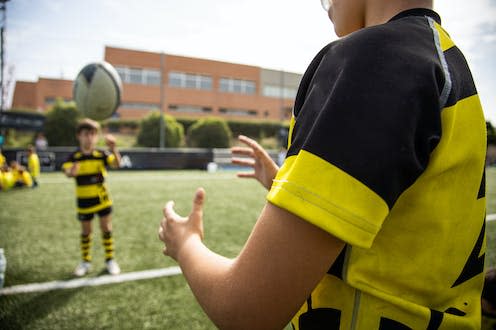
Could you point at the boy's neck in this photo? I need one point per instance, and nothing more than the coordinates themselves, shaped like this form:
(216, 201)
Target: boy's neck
(87, 151)
(382, 11)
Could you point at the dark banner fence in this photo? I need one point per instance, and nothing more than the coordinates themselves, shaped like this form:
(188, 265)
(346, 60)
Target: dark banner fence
(52, 158)
(21, 120)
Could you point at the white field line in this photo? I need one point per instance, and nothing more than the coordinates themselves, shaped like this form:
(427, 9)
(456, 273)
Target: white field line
(107, 279)
(91, 281)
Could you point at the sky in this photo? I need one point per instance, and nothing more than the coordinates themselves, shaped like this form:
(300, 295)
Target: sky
(56, 38)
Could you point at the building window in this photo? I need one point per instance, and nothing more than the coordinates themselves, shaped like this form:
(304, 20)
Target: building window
(135, 76)
(140, 106)
(277, 91)
(238, 112)
(175, 79)
(152, 77)
(240, 86)
(139, 76)
(189, 108)
(50, 100)
(193, 81)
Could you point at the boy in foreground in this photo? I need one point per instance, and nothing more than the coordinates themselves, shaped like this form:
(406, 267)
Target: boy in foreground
(376, 218)
(88, 166)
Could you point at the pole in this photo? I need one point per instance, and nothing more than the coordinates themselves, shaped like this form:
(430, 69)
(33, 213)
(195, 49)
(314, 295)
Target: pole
(3, 8)
(162, 103)
(281, 114)
(2, 65)
(281, 95)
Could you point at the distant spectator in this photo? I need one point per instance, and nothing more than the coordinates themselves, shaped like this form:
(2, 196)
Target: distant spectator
(33, 165)
(2, 158)
(7, 180)
(40, 142)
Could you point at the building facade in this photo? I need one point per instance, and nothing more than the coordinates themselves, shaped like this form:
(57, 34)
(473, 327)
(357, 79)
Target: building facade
(183, 87)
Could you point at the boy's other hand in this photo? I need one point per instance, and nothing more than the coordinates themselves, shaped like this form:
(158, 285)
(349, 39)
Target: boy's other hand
(73, 171)
(176, 230)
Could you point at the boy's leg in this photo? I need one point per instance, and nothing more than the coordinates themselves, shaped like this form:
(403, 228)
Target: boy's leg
(108, 241)
(86, 240)
(85, 244)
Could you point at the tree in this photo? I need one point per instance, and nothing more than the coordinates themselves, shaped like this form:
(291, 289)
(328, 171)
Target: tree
(209, 133)
(60, 124)
(149, 134)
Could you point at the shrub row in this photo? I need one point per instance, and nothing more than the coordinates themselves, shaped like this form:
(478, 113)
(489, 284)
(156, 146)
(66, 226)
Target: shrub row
(249, 128)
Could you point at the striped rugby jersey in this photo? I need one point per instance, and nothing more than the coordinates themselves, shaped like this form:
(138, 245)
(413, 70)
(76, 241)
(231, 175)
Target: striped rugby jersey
(386, 152)
(91, 193)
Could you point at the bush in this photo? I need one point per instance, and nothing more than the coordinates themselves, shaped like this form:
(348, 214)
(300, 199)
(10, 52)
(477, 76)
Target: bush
(117, 125)
(186, 122)
(60, 124)
(209, 133)
(149, 134)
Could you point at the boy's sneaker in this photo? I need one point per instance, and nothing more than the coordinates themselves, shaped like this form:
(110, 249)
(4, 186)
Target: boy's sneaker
(82, 269)
(113, 267)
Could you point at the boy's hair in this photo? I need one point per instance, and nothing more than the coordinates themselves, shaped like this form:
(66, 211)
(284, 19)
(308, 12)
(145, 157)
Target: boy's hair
(88, 124)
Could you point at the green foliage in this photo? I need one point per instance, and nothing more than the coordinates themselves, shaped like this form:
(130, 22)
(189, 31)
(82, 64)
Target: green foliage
(16, 139)
(209, 133)
(256, 129)
(186, 122)
(149, 134)
(491, 133)
(116, 125)
(60, 124)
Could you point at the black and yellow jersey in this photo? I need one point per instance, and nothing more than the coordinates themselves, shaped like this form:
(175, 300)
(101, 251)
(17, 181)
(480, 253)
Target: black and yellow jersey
(91, 193)
(386, 152)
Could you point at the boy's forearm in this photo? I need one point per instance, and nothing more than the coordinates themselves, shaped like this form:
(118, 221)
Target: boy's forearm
(208, 275)
(117, 156)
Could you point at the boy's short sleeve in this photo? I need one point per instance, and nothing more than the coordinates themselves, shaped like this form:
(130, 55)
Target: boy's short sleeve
(109, 158)
(362, 132)
(67, 164)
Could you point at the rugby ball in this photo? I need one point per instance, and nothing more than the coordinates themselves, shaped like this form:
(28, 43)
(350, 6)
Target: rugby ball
(97, 90)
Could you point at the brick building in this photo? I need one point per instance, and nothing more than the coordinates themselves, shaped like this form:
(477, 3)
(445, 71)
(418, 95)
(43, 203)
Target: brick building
(191, 88)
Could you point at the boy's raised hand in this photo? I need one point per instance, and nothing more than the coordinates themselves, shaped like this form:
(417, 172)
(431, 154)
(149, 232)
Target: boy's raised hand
(110, 141)
(264, 168)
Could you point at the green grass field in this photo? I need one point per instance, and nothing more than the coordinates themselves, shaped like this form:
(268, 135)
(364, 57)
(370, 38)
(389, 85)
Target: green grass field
(40, 235)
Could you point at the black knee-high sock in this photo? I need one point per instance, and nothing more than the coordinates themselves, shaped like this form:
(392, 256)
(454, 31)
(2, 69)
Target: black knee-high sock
(108, 245)
(86, 247)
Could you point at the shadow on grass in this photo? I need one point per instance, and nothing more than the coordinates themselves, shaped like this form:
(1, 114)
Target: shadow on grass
(19, 311)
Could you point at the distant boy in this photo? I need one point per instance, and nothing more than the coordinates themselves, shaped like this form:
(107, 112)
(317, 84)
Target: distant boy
(88, 166)
(20, 176)
(33, 165)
